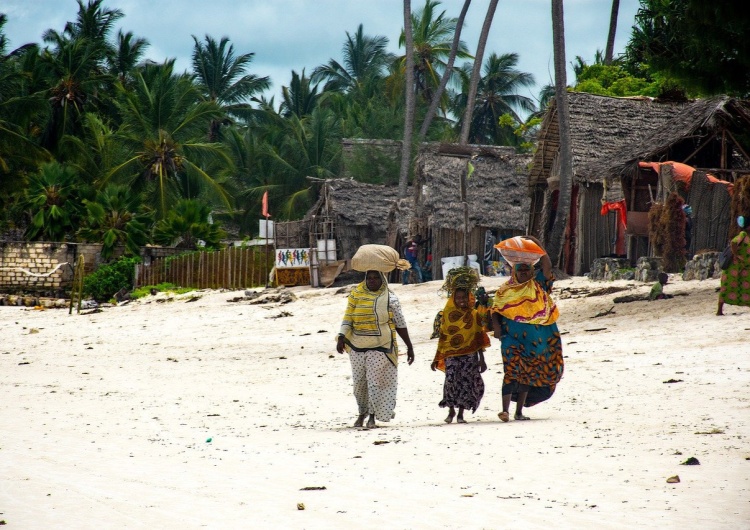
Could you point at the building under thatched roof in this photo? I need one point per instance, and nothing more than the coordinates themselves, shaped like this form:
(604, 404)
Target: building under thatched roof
(600, 127)
(710, 136)
(496, 193)
(611, 139)
(354, 214)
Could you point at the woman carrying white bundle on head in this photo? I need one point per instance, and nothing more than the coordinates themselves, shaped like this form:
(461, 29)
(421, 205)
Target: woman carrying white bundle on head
(372, 319)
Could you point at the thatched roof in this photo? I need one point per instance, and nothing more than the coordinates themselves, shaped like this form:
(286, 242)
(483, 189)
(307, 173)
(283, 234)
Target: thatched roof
(599, 127)
(357, 203)
(695, 121)
(497, 190)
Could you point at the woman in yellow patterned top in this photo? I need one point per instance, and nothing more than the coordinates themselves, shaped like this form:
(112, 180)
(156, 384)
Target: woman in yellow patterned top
(461, 344)
(368, 331)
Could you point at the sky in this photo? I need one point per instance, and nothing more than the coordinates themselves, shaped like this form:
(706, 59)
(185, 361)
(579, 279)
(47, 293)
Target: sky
(288, 35)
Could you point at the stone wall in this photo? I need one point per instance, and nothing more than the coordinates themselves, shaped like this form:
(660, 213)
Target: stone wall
(647, 269)
(607, 269)
(702, 267)
(47, 268)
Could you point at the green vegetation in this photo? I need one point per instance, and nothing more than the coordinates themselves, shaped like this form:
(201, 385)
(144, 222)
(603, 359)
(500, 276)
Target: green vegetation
(98, 145)
(104, 282)
(162, 287)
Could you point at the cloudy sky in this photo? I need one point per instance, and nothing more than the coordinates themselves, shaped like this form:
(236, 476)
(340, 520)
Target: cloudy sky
(288, 35)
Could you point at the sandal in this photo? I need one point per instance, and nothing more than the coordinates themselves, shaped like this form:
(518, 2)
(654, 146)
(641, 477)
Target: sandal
(504, 416)
(521, 417)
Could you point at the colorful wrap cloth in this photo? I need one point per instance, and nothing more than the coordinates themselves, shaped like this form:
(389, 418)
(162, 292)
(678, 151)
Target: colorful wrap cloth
(532, 350)
(527, 303)
(461, 331)
(368, 321)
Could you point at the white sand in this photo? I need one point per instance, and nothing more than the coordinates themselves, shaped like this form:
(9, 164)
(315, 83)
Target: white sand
(106, 419)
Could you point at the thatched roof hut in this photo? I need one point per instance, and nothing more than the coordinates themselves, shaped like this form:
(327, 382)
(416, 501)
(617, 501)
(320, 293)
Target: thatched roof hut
(600, 127)
(711, 135)
(354, 214)
(497, 195)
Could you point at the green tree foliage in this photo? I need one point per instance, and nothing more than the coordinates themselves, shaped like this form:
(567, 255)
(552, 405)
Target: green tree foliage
(187, 224)
(164, 126)
(702, 45)
(116, 218)
(104, 282)
(497, 95)
(51, 201)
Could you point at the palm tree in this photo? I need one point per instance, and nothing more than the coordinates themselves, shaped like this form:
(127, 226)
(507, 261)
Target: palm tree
(51, 203)
(556, 241)
(612, 32)
(403, 176)
(116, 217)
(187, 224)
(299, 98)
(476, 71)
(497, 94)
(126, 56)
(447, 72)
(365, 60)
(432, 45)
(164, 124)
(221, 78)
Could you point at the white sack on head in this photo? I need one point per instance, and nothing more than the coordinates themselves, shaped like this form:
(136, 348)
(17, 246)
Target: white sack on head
(378, 258)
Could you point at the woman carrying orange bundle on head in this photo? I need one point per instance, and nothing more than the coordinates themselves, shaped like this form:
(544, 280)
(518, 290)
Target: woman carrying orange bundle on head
(524, 319)
(461, 344)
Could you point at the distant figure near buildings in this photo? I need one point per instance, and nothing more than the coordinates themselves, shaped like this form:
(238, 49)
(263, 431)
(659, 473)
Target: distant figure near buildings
(735, 281)
(411, 253)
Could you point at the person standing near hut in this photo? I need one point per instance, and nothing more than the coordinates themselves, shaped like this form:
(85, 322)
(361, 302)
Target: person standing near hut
(411, 253)
(461, 344)
(735, 280)
(372, 319)
(524, 318)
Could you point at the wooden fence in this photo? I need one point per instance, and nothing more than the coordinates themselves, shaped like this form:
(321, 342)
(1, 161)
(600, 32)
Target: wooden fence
(229, 268)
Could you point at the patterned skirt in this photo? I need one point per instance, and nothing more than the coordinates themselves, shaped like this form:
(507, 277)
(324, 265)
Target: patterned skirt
(463, 386)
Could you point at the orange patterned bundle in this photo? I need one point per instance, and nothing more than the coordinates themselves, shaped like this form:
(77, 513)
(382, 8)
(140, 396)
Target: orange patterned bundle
(519, 250)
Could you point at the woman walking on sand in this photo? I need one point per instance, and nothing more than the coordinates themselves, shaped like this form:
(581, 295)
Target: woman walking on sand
(461, 344)
(372, 319)
(735, 280)
(524, 319)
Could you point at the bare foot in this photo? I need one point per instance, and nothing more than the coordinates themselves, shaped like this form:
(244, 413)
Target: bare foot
(449, 418)
(719, 314)
(360, 420)
(519, 416)
(371, 422)
(460, 419)
(504, 416)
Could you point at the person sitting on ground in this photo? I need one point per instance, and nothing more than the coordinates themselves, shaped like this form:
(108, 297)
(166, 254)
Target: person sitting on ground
(657, 291)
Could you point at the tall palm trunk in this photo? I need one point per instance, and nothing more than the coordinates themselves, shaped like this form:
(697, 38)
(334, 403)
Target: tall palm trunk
(557, 236)
(612, 31)
(446, 74)
(403, 178)
(476, 73)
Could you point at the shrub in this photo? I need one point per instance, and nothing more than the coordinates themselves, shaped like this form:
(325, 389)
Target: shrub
(104, 282)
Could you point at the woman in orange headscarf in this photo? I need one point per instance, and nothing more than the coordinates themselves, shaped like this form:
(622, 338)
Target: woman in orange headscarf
(524, 319)
(461, 344)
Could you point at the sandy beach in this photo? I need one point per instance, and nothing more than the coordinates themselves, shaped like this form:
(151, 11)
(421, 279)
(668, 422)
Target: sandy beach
(194, 411)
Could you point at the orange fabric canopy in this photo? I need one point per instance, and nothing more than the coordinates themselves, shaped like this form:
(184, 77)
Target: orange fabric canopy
(684, 173)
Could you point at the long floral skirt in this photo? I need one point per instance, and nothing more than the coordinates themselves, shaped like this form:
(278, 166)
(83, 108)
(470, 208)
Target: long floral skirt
(375, 381)
(463, 386)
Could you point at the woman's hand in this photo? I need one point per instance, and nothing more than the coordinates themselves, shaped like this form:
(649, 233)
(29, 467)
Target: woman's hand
(433, 366)
(340, 344)
(410, 355)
